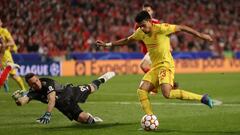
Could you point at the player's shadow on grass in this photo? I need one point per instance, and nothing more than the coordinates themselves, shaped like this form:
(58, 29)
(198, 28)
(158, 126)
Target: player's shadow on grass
(197, 132)
(94, 126)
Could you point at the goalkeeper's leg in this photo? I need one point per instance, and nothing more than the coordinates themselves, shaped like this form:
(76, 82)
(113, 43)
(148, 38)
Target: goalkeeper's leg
(87, 118)
(102, 79)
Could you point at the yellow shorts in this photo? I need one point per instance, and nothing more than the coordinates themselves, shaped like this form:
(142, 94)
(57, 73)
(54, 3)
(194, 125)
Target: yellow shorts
(159, 76)
(7, 57)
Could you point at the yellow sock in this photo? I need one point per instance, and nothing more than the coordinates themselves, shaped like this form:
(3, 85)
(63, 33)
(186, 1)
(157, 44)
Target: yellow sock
(143, 98)
(185, 95)
(20, 82)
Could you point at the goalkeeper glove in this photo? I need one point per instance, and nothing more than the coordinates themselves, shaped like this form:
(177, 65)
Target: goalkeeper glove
(17, 94)
(45, 119)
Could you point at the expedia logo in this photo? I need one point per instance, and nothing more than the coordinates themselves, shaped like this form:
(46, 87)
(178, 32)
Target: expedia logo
(80, 68)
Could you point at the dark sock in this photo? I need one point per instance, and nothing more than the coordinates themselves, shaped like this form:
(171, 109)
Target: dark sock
(90, 120)
(98, 82)
(102, 80)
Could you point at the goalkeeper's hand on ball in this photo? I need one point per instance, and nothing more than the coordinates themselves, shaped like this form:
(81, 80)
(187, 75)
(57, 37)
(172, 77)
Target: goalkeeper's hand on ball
(45, 119)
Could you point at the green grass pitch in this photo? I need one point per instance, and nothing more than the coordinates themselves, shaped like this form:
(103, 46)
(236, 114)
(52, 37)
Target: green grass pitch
(117, 104)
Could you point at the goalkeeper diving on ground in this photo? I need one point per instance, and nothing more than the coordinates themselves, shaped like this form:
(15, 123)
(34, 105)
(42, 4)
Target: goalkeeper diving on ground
(63, 97)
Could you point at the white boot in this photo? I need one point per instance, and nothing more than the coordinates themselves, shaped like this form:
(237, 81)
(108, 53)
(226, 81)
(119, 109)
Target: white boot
(107, 76)
(13, 65)
(96, 119)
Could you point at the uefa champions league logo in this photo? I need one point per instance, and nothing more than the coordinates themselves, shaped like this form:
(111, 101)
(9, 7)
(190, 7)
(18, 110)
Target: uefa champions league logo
(54, 69)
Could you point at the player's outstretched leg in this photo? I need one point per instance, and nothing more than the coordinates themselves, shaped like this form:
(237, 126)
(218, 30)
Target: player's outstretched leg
(207, 100)
(185, 95)
(87, 118)
(19, 81)
(102, 79)
(96, 118)
(13, 65)
(107, 76)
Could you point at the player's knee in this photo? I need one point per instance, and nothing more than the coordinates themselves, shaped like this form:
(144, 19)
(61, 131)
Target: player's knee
(147, 86)
(166, 90)
(82, 118)
(92, 88)
(166, 94)
(85, 118)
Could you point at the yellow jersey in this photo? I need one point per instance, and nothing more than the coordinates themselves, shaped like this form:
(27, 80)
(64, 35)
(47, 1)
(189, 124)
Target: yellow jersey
(5, 35)
(158, 44)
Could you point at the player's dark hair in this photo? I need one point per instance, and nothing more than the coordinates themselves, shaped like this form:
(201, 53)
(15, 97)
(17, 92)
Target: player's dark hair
(29, 76)
(147, 5)
(141, 16)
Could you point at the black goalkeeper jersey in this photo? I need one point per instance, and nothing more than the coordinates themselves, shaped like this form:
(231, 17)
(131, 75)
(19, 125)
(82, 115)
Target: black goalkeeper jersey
(48, 86)
(67, 97)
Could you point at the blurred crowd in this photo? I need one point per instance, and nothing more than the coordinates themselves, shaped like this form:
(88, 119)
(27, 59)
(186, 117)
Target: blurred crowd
(57, 27)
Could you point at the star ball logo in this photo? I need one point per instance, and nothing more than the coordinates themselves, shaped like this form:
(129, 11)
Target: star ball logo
(54, 69)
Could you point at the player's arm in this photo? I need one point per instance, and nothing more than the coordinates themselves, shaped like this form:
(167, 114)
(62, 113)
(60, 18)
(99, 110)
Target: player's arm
(22, 100)
(10, 42)
(20, 97)
(136, 36)
(46, 117)
(193, 32)
(124, 41)
(51, 101)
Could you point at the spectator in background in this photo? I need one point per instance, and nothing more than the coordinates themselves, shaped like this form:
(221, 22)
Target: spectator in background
(73, 25)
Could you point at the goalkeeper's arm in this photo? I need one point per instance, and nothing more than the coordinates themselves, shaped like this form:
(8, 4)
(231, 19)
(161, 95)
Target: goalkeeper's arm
(22, 100)
(20, 97)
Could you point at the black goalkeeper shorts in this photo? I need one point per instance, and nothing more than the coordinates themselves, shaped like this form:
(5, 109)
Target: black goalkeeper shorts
(68, 103)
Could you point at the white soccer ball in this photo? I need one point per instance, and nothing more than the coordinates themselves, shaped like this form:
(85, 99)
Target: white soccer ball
(149, 122)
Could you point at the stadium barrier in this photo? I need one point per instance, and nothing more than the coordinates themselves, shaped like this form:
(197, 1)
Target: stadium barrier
(40, 68)
(91, 67)
(32, 57)
(207, 66)
(96, 67)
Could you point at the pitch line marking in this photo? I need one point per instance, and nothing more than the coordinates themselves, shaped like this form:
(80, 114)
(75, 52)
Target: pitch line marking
(216, 103)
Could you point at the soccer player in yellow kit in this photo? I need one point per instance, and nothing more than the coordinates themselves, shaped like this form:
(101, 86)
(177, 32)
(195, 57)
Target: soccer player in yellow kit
(6, 56)
(161, 74)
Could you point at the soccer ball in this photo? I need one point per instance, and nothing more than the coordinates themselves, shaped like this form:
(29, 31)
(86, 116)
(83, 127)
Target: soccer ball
(149, 122)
